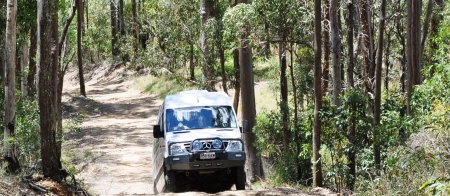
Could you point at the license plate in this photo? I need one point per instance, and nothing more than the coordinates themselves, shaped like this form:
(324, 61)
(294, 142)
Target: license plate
(208, 155)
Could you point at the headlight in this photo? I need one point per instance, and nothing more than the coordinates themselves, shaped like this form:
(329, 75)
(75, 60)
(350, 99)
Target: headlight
(217, 144)
(234, 146)
(177, 149)
(197, 145)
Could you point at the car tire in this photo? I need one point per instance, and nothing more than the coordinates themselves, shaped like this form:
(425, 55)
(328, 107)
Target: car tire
(240, 178)
(171, 181)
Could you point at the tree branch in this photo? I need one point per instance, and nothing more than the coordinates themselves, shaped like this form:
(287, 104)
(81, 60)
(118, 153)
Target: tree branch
(66, 27)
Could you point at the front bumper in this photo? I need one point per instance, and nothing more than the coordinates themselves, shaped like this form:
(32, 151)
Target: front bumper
(192, 161)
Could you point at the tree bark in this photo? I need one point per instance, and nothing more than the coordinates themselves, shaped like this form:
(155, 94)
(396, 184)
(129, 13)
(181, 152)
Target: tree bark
(237, 84)
(326, 47)
(253, 163)
(121, 19)
(2, 67)
(79, 49)
(23, 65)
(31, 77)
(434, 29)
(134, 24)
(413, 48)
(367, 46)
(191, 61)
(317, 164)
(48, 53)
(114, 28)
(351, 154)
(335, 51)
(222, 67)
(350, 54)
(284, 108)
(206, 7)
(377, 105)
(10, 86)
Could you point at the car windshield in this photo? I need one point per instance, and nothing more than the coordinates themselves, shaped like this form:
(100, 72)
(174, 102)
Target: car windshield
(200, 118)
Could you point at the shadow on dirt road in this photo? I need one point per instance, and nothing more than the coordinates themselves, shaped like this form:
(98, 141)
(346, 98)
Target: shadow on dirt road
(112, 150)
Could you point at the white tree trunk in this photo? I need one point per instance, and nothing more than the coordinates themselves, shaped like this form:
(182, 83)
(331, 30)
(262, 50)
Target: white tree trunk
(10, 77)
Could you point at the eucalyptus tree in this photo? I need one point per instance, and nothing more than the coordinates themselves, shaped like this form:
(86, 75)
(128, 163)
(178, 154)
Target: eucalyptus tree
(316, 159)
(174, 30)
(377, 105)
(283, 22)
(47, 83)
(79, 6)
(335, 50)
(10, 85)
(414, 10)
(237, 21)
(114, 28)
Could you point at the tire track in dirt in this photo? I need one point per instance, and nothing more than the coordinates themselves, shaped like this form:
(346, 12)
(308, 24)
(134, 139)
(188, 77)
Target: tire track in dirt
(113, 148)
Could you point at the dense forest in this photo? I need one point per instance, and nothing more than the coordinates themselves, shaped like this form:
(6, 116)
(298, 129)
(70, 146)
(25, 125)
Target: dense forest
(362, 86)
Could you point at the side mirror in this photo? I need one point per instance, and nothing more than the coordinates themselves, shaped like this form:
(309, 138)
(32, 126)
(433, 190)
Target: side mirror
(244, 128)
(157, 133)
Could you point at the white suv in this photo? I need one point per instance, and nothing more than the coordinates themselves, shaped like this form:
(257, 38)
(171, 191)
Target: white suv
(197, 141)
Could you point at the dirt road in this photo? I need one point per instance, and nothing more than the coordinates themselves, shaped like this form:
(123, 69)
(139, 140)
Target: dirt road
(112, 150)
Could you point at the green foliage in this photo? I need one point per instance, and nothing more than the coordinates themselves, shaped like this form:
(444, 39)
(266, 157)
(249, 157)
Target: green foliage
(163, 85)
(291, 166)
(27, 131)
(337, 123)
(234, 21)
(74, 122)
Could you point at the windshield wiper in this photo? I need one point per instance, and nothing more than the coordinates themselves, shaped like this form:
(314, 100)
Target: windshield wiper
(175, 132)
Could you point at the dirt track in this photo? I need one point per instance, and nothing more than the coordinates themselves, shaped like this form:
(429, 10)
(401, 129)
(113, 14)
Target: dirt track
(112, 150)
(114, 144)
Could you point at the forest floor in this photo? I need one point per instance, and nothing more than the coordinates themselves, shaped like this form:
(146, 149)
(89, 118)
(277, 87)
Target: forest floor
(112, 149)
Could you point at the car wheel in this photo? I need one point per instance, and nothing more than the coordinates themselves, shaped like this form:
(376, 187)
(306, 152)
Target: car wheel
(171, 181)
(240, 178)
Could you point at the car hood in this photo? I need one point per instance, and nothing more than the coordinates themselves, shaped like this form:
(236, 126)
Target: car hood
(202, 134)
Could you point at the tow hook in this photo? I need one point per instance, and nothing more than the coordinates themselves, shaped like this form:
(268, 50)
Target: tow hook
(187, 173)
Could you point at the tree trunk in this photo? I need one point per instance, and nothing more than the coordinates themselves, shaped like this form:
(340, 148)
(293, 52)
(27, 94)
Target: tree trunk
(335, 51)
(253, 163)
(48, 64)
(134, 26)
(2, 67)
(351, 154)
(206, 7)
(377, 105)
(297, 136)
(317, 164)
(350, 54)
(434, 29)
(222, 66)
(121, 19)
(366, 46)
(426, 25)
(114, 29)
(284, 107)
(191, 61)
(79, 50)
(413, 48)
(86, 5)
(23, 65)
(10, 86)
(237, 84)
(31, 77)
(326, 47)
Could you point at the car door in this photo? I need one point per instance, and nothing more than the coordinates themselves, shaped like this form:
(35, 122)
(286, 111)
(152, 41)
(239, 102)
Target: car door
(158, 157)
